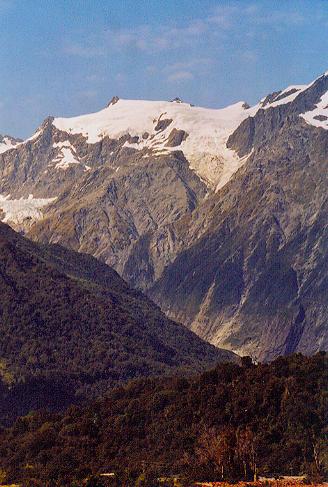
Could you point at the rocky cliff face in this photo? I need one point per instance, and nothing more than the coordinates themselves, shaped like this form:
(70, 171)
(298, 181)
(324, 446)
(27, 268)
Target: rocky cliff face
(218, 214)
(103, 198)
(256, 276)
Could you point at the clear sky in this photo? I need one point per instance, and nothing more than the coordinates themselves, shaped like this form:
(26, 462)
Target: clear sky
(68, 57)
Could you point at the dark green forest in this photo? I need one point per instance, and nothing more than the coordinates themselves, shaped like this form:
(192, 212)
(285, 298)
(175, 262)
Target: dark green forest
(71, 328)
(227, 422)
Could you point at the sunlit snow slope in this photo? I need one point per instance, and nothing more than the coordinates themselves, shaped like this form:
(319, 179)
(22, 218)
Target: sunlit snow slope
(161, 127)
(7, 143)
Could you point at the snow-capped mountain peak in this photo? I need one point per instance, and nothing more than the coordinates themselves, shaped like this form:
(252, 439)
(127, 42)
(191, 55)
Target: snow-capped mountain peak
(134, 184)
(135, 117)
(160, 127)
(318, 114)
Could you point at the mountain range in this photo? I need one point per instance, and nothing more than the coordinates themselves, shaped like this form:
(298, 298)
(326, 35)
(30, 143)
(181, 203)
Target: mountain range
(219, 215)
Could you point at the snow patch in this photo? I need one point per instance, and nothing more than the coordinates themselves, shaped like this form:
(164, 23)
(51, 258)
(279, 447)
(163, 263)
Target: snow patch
(7, 143)
(283, 100)
(18, 210)
(231, 165)
(34, 136)
(318, 117)
(66, 155)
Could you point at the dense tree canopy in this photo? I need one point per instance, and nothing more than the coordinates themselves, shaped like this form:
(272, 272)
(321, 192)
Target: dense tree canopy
(67, 319)
(227, 422)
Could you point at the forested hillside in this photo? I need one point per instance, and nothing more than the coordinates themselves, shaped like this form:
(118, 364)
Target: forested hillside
(71, 328)
(229, 421)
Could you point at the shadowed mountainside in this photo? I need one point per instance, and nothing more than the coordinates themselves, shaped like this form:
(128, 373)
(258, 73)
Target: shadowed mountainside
(68, 318)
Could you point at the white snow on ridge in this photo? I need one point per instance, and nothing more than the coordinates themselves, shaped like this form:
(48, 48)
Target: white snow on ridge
(61, 144)
(18, 210)
(36, 134)
(320, 111)
(207, 129)
(135, 117)
(283, 100)
(8, 143)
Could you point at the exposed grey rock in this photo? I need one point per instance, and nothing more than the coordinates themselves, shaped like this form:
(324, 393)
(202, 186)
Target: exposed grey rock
(114, 100)
(285, 94)
(321, 118)
(176, 137)
(163, 123)
(255, 131)
(269, 98)
(114, 209)
(252, 272)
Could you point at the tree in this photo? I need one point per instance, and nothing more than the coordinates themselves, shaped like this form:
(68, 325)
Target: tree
(215, 448)
(3, 475)
(245, 451)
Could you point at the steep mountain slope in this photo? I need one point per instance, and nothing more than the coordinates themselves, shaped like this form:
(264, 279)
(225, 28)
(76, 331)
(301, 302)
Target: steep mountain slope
(218, 214)
(65, 315)
(254, 272)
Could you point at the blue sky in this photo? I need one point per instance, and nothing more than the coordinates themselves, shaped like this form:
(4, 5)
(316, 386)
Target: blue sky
(67, 57)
